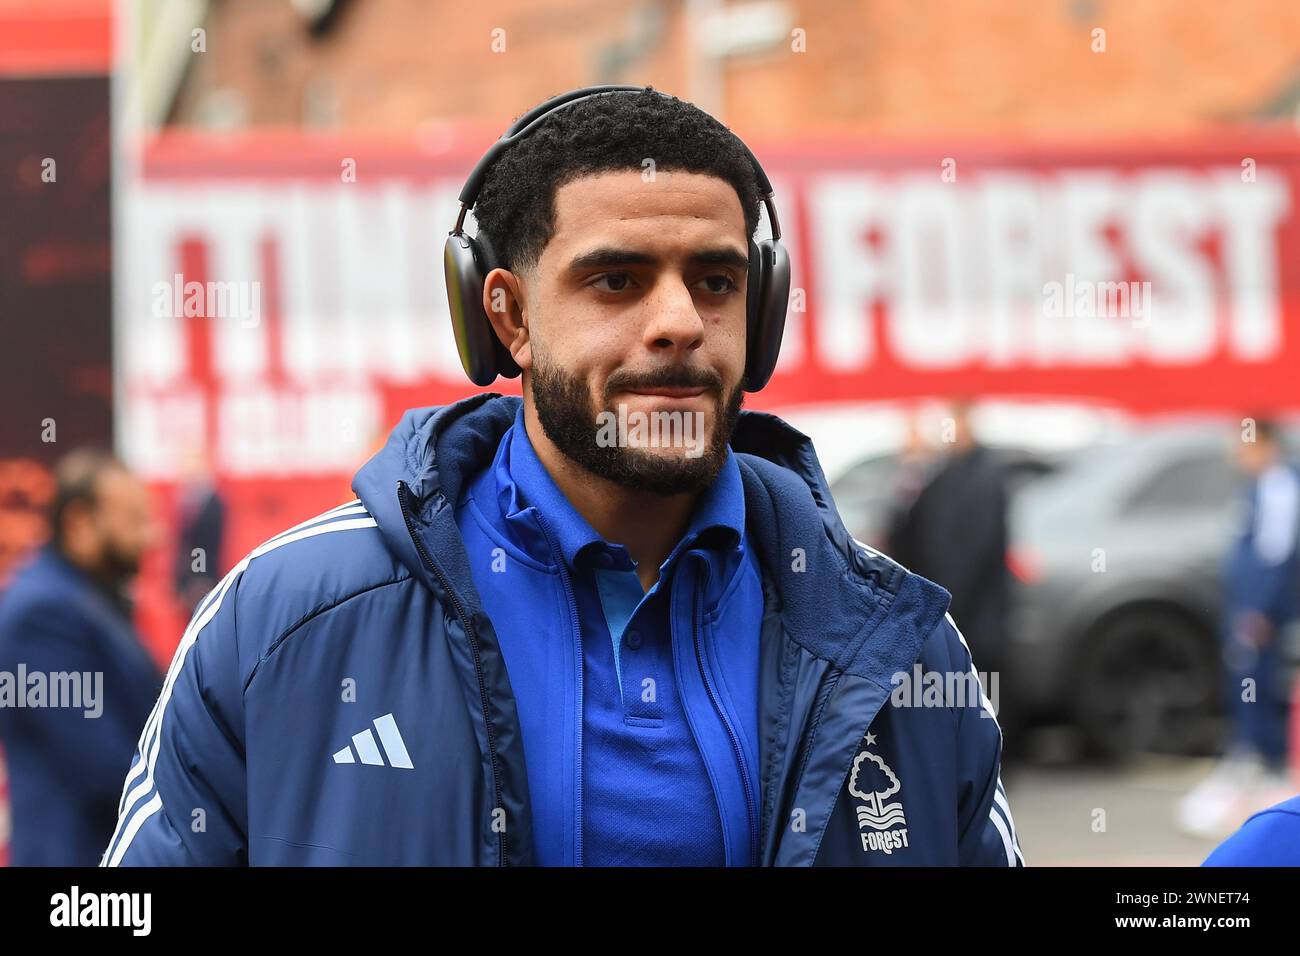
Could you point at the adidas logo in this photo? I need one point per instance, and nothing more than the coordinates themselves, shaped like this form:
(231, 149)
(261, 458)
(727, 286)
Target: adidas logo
(368, 750)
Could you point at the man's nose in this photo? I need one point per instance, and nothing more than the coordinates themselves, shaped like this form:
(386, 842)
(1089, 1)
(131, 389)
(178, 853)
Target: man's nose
(674, 322)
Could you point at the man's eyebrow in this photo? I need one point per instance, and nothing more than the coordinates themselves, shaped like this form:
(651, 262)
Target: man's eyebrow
(722, 256)
(609, 256)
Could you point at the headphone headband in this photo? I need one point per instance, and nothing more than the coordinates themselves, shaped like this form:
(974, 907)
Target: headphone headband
(534, 117)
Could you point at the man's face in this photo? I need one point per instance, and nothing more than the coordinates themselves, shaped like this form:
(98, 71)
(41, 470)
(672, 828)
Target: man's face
(120, 525)
(1254, 456)
(637, 310)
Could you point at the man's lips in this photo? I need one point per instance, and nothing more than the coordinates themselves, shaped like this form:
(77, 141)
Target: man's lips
(670, 392)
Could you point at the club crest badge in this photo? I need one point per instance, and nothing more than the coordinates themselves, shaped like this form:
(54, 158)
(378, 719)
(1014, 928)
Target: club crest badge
(882, 824)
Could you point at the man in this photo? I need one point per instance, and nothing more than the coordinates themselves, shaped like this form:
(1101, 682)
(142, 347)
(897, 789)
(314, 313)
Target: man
(200, 530)
(955, 533)
(542, 636)
(1260, 576)
(1260, 595)
(75, 681)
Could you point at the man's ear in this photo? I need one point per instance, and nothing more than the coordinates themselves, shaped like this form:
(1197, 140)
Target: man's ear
(503, 301)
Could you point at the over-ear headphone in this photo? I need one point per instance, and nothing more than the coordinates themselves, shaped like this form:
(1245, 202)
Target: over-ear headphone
(468, 259)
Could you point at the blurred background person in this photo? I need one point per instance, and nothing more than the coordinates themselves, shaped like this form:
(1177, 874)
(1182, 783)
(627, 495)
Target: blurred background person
(916, 461)
(67, 611)
(200, 530)
(955, 533)
(1260, 579)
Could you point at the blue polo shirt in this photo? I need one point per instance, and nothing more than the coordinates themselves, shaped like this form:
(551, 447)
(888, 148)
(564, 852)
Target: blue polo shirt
(639, 710)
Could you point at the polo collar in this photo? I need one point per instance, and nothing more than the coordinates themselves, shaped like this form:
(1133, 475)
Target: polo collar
(525, 488)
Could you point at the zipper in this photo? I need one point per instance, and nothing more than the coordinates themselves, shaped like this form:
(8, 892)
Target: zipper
(403, 501)
(811, 742)
(750, 807)
(577, 635)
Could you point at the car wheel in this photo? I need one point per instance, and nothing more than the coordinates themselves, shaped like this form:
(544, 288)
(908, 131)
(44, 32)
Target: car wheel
(1149, 682)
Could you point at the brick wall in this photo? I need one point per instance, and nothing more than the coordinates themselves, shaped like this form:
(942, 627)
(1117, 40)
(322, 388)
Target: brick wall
(877, 66)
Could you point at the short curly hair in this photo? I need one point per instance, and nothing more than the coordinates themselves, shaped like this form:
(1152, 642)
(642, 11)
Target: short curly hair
(515, 208)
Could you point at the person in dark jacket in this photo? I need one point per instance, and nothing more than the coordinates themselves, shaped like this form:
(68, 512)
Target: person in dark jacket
(75, 681)
(200, 532)
(542, 635)
(955, 533)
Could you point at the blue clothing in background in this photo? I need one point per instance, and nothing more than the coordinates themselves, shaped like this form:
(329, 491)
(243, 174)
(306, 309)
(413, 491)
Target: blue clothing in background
(1269, 838)
(66, 763)
(1262, 576)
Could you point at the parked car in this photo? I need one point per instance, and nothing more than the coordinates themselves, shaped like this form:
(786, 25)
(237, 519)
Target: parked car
(1116, 609)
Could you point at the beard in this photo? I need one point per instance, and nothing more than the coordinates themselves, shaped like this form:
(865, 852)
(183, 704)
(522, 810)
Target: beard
(118, 564)
(569, 417)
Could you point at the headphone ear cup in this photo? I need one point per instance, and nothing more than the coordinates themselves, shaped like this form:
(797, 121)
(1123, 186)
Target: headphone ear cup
(488, 260)
(754, 286)
(756, 289)
(766, 311)
(466, 261)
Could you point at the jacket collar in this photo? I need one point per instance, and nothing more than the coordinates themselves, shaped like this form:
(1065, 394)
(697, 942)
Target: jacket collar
(839, 600)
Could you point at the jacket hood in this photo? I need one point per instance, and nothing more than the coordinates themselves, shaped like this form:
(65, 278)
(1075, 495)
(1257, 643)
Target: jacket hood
(842, 601)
